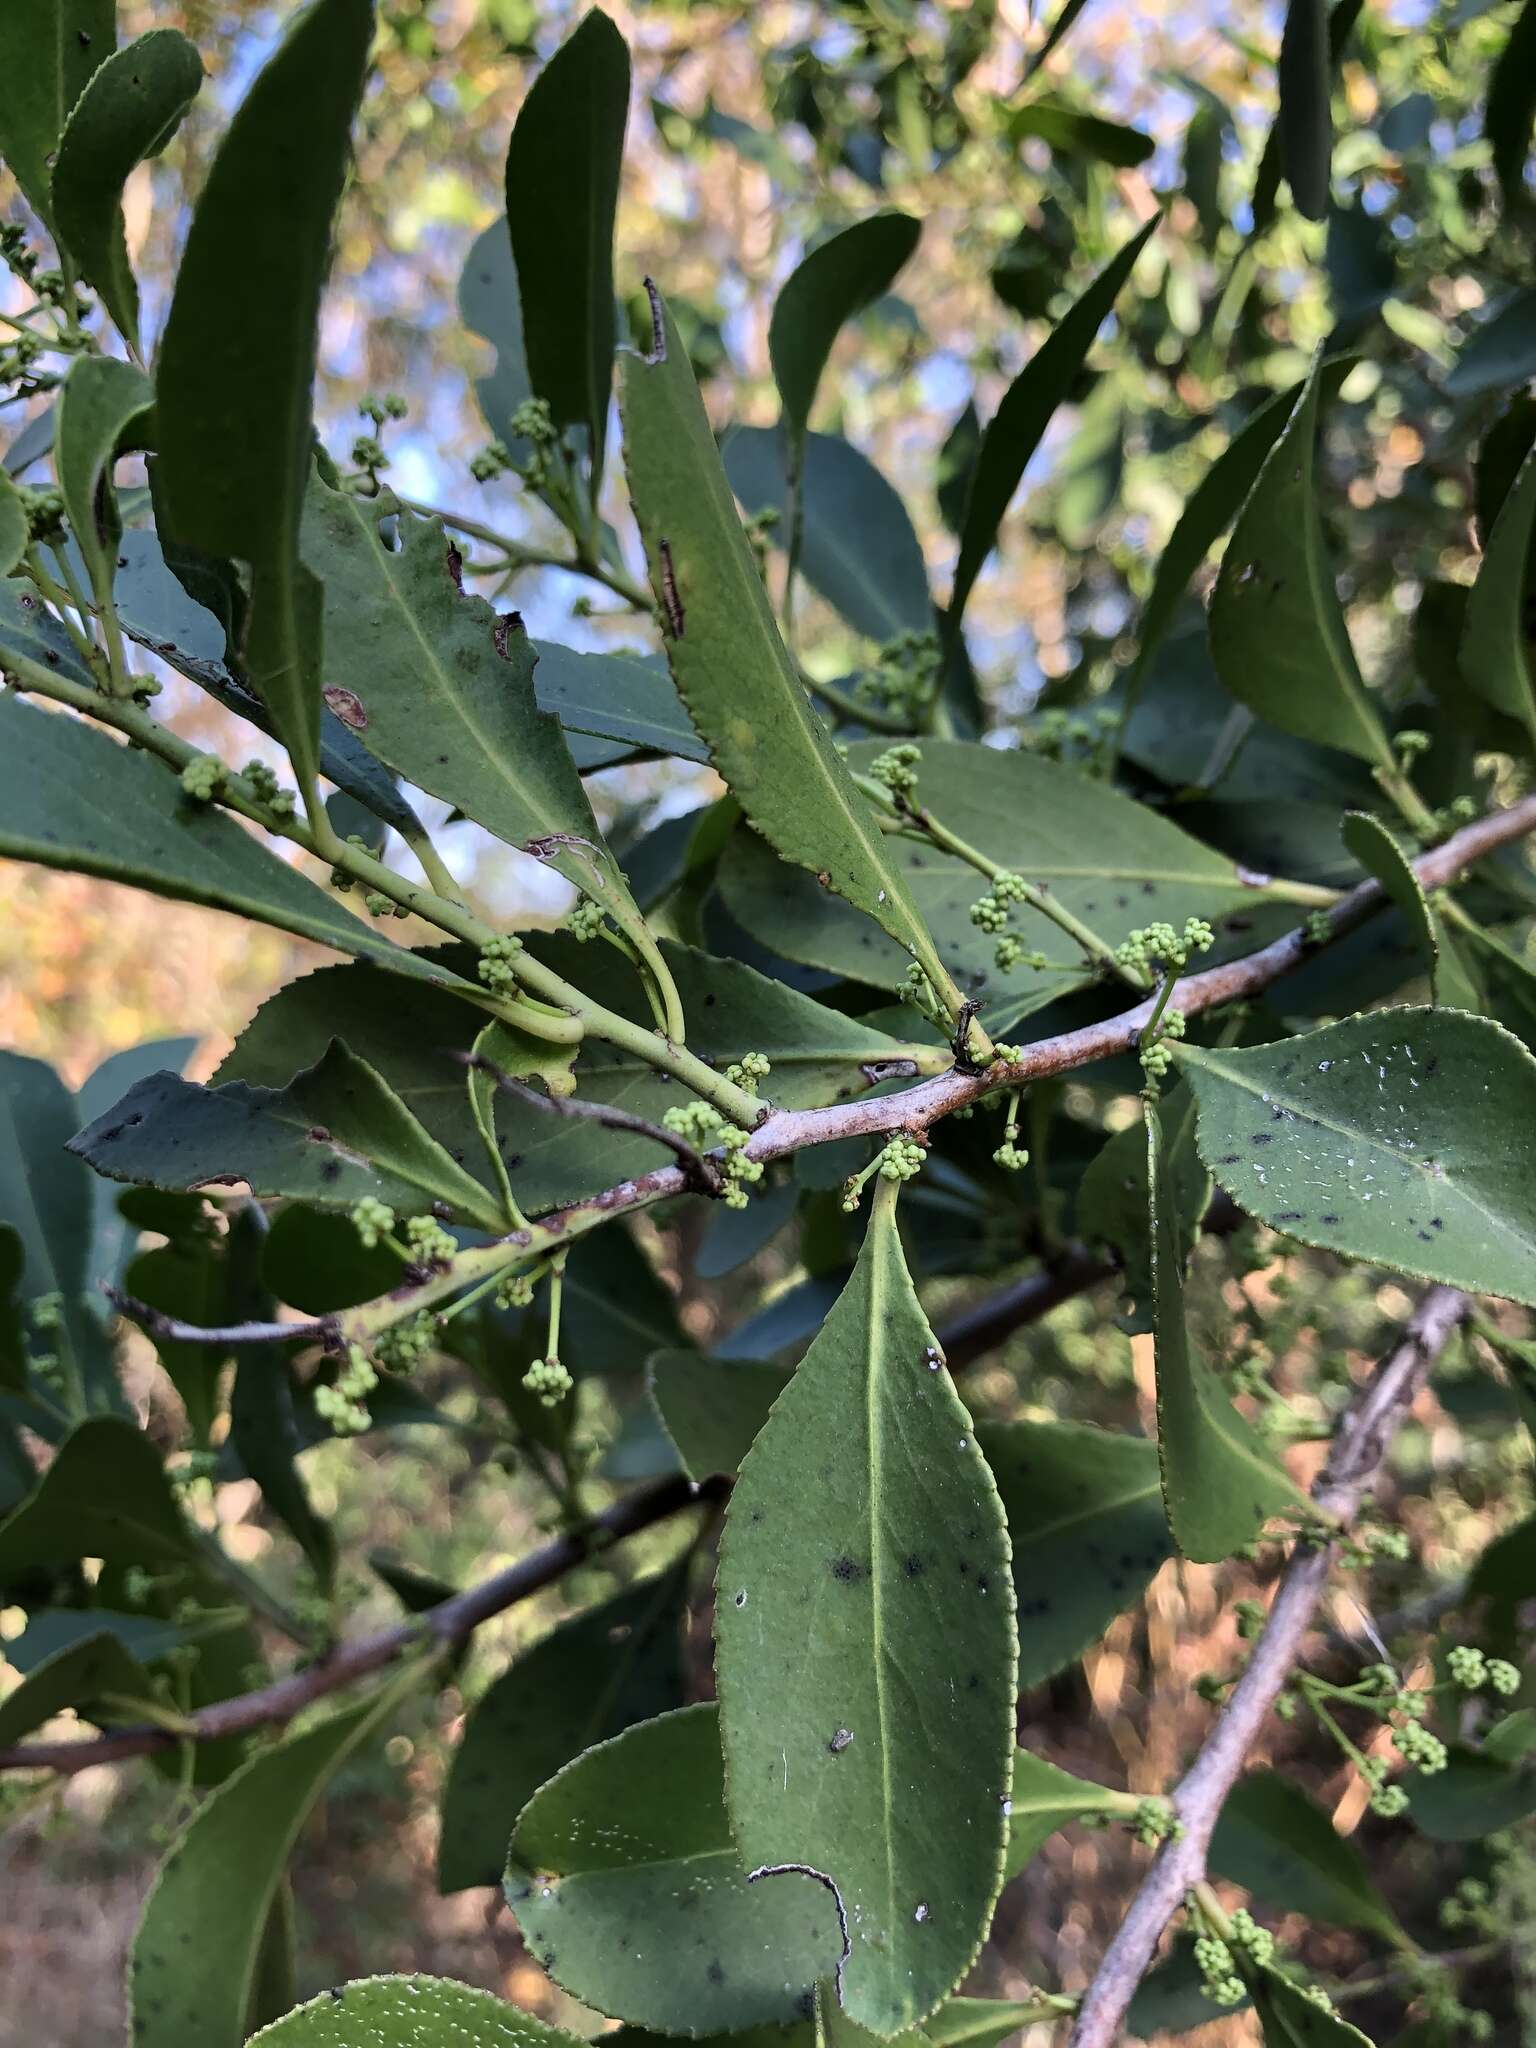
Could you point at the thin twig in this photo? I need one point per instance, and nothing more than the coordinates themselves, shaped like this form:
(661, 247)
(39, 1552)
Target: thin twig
(1360, 1445)
(170, 1329)
(702, 1174)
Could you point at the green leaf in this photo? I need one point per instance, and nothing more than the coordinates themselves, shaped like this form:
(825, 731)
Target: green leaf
(735, 676)
(1017, 427)
(98, 407)
(1115, 864)
(128, 111)
(655, 1921)
(1473, 1797)
(1275, 1841)
(240, 342)
(593, 1677)
(1499, 353)
(563, 167)
(14, 532)
(13, 1338)
(1061, 23)
(48, 50)
(335, 1134)
(857, 545)
(196, 1953)
(712, 1408)
(1278, 636)
(1087, 1530)
(489, 307)
(105, 1495)
(186, 1280)
(978, 2022)
(442, 690)
(1112, 1200)
(838, 279)
(1306, 118)
(60, 777)
(1221, 1483)
(1214, 504)
(1045, 1798)
(1495, 656)
(1291, 2020)
(1511, 109)
(1074, 134)
(1403, 1137)
(114, 1234)
(314, 1260)
(1379, 853)
(1266, 184)
(874, 1746)
(410, 2012)
(78, 1676)
(615, 697)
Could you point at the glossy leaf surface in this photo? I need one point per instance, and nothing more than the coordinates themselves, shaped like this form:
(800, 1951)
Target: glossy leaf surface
(410, 2012)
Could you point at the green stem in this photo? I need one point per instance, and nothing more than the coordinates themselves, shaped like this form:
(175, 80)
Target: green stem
(515, 551)
(855, 709)
(1394, 781)
(70, 605)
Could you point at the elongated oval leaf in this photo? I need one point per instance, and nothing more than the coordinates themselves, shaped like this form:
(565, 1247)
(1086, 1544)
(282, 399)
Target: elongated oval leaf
(100, 401)
(596, 1675)
(1275, 1841)
(78, 1676)
(1221, 1483)
(857, 544)
(563, 168)
(198, 1947)
(126, 113)
(105, 1495)
(1017, 427)
(1495, 654)
(655, 1921)
(1306, 120)
(410, 2012)
(48, 50)
(240, 344)
(13, 527)
(1511, 108)
(1291, 2019)
(1379, 853)
(977, 2022)
(1407, 1137)
(835, 281)
(735, 676)
(1278, 637)
(1499, 353)
(865, 1645)
(60, 778)
(336, 1134)
(1044, 1798)
(615, 697)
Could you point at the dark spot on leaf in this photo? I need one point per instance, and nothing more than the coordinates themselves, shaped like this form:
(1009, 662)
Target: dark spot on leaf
(846, 1570)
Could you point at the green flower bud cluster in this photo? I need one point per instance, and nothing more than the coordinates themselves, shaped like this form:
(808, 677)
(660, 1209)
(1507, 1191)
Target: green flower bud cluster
(1218, 1971)
(368, 454)
(203, 778)
(494, 965)
(749, 1071)
(403, 1346)
(391, 406)
(919, 991)
(372, 1219)
(1386, 1801)
(44, 508)
(377, 904)
(1011, 952)
(702, 1125)
(901, 1158)
(1470, 1907)
(533, 421)
(1317, 929)
(1410, 744)
(47, 1312)
(1472, 1671)
(516, 1291)
(1250, 1619)
(1059, 735)
(492, 461)
(896, 769)
(430, 1244)
(1157, 1057)
(1252, 1941)
(1419, 1749)
(340, 879)
(548, 1378)
(585, 920)
(1159, 946)
(344, 1404)
(263, 784)
(758, 528)
(904, 677)
(1012, 1158)
(1154, 1821)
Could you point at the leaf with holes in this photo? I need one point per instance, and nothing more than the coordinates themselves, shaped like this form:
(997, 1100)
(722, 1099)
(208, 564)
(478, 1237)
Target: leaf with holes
(1407, 1138)
(655, 1921)
(865, 1644)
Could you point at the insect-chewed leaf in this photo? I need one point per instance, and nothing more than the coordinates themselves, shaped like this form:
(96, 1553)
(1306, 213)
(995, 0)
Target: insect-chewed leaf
(1406, 1137)
(1278, 636)
(1017, 427)
(839, 278)
(48, 51)
(1115, 864)
(127, 112)
(240, 343)
(1087, 1530)
(1220, 1482)
(865, 1644)
(655, 1920)
(1495, 653)
(593, 1677)
(563, 167)
(857, 543)
(733, 670)
(410, 2012)
(1044, 1798)
(335, 1134)
(198, 1948)
(101, 400)
(1273, 1840)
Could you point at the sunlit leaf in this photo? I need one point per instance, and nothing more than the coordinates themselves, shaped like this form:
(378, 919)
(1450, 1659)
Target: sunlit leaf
(1044, 1798)
(410, 2012)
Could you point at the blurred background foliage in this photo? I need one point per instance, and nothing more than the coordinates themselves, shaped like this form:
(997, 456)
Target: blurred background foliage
(757, 130)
